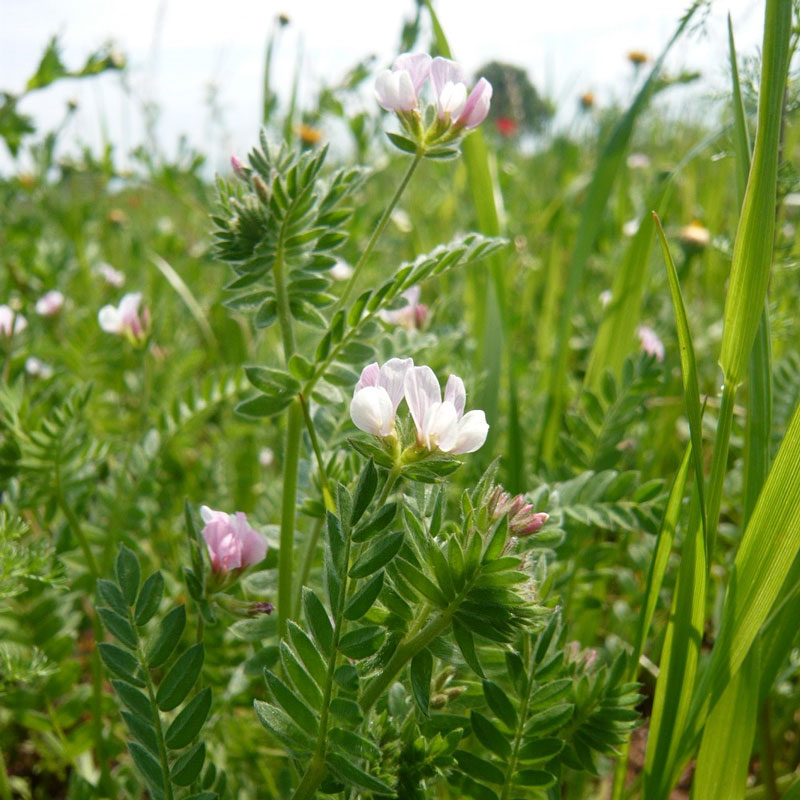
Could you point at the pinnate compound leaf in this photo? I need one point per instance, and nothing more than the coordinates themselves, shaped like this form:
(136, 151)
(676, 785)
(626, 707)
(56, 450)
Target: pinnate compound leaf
(181, 677)
(190, 720)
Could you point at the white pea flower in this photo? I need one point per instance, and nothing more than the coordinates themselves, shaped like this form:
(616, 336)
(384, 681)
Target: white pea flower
(397, 89)
(442, 425)
(650, 342)
(10, 321)
(125, 320)
(377, 395)
(50, 303)
(452, 99)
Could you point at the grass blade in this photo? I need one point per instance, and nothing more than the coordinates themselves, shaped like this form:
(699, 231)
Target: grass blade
(691, 388)
(752, 250)
(591, 221)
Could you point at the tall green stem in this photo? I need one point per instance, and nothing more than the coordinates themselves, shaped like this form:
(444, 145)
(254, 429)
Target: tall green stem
(162, 747)
(719, 463)
(406, 650)
(5, 787)
(348, 289)
(291, 460)
(327, 495)
(315, 771)
(282, 297)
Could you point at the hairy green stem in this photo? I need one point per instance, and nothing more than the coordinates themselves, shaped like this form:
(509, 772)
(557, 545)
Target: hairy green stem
(719, 464)
(291, 460)
(387, 213)
(307, 562)
(5, 787)
(522, 718)
(315, 771)
(284, 311)
(162, 747)
(391, 480)
(327, 495)
(406, 650)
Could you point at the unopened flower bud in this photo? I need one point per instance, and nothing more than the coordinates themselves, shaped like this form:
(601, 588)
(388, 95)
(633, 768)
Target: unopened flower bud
(261, 608)
(261, 189)
(238, 168)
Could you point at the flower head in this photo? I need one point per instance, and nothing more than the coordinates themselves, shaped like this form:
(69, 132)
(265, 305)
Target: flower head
(125, 320)
(397, 89)
(650, 342)
(453, 102)
(232, 543)
(442, 424)
(377, 395)
(10, 321)
(50, 303)
(36, 368)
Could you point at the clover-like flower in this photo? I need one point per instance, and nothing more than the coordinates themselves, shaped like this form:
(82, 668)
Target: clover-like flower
(125, 320)
(50, 303)
(113, 277)
(397, 89)
(232, 543)
(442, 424)
(377, 395)
(412, 315)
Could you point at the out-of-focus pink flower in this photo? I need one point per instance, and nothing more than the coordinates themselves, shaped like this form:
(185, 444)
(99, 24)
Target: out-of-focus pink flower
(397, 89)
(125, 320)
(10, 321)
(638, 161)
(442, 425)
(412, 315)
(113, 277)
(650, 342)
(232, 543)
(377, 395)
(50, 303)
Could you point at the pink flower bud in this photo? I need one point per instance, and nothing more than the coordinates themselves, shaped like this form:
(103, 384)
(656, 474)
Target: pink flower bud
(232, 543)
(476, 108)
(238, 168)
(650, 343)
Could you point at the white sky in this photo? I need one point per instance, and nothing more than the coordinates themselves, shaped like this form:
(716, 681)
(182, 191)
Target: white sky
(176, 48)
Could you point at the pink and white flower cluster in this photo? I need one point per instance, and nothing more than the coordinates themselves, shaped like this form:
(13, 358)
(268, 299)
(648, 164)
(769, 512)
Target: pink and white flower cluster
(10, 321)
(441, 424)
(398, 89)
(232, 543)
(125, 319)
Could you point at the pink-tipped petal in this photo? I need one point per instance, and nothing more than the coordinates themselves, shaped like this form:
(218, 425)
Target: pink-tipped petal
(472, 432)
(372, 412)
(477, 106)
(418, 66)
(370, 376)
(455, 392)
(253, 543)
(421, 391)
(440, 427)
(444, 71)
(392, 378)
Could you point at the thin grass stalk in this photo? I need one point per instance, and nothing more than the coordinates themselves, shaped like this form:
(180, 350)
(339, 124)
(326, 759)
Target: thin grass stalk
(591, 222)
